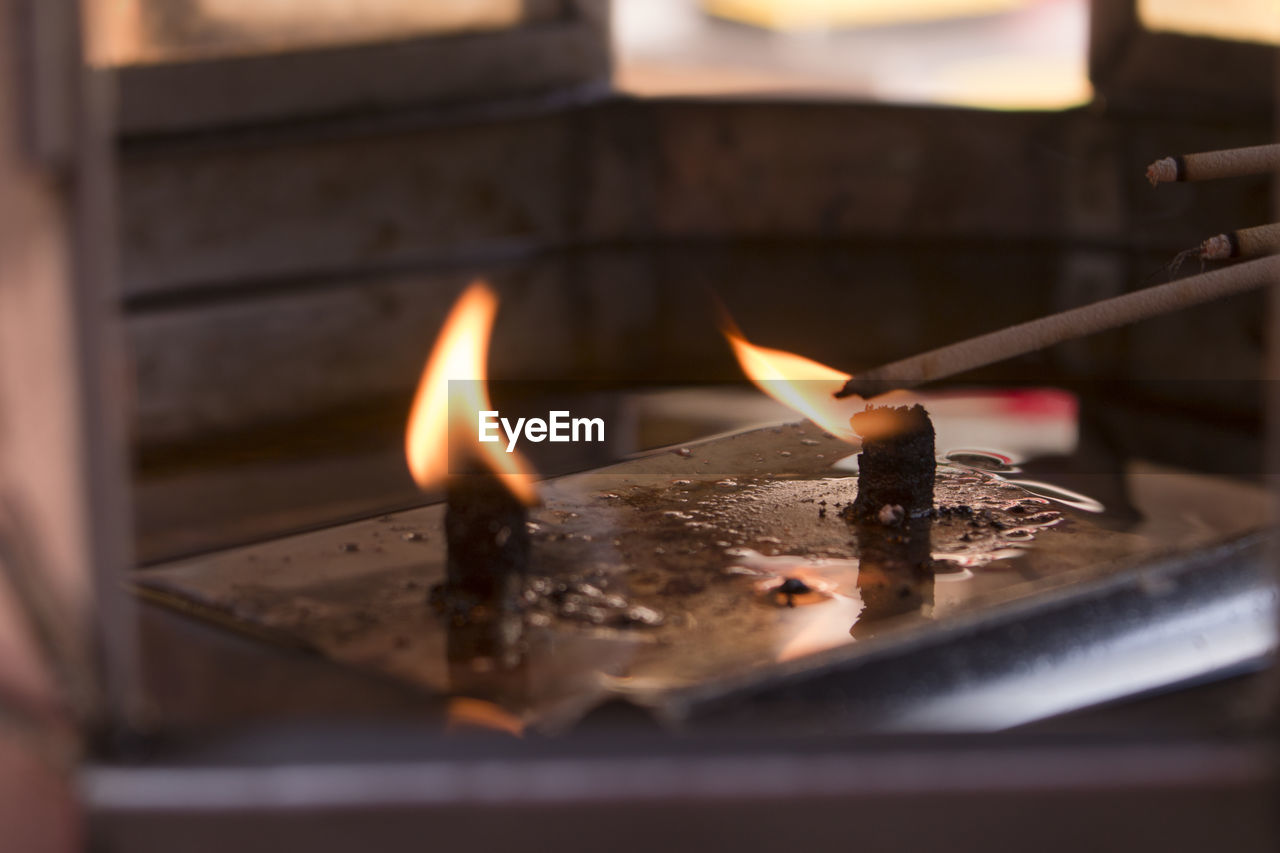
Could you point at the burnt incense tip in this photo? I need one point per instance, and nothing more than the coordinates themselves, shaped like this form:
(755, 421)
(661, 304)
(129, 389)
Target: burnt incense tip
(1219, 247)
(896, 468)
(860, 387)
(1164, 170)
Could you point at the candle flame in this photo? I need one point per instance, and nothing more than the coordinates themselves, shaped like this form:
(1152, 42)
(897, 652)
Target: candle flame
(802, 384)
(451, 394)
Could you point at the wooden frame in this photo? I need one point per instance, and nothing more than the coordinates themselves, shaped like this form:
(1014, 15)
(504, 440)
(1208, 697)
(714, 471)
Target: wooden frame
(1137, 69)
(554, 54)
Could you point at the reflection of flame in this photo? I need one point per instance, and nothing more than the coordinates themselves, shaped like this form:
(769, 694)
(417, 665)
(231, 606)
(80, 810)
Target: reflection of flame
(798, 382)
(451, 395)
(823, 626)
(821, 618)
(467, 713)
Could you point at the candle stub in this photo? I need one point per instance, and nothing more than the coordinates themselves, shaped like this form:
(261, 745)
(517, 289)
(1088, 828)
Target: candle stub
(896, 468)
(488, 546)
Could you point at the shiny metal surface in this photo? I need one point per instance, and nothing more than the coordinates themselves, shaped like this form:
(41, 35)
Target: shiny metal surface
(1091, 608)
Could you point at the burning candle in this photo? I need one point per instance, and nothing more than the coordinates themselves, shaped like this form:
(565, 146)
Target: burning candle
(897, 464)
(487, 487)
(896, 472)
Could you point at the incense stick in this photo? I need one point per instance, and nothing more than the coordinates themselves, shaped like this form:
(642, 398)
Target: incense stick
(1243, 243)
(1068, 325)
(1207, 165)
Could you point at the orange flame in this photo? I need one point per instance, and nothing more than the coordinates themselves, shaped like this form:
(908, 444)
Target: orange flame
(798, 382)
(452, 393)
(467, 713)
